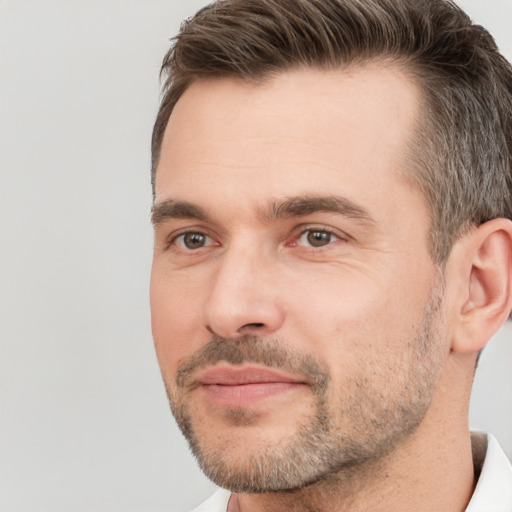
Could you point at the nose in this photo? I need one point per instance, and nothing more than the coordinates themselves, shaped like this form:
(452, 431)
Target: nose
(244, 298)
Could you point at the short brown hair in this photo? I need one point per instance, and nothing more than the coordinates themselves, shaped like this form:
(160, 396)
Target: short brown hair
(462, 152)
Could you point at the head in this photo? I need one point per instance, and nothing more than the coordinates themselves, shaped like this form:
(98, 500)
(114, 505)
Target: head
(330, 181)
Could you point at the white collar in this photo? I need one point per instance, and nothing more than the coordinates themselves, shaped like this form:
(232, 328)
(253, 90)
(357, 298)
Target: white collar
(493, 492)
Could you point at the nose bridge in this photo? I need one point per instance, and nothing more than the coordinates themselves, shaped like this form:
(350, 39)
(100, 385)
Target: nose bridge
(242, 297)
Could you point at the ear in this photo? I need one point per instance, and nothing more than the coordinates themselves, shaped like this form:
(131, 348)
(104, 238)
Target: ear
(481, 263)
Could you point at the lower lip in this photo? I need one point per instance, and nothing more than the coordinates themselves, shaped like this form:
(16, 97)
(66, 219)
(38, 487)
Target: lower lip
(244, 395)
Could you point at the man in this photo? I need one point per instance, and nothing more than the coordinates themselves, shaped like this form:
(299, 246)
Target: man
(332, 210)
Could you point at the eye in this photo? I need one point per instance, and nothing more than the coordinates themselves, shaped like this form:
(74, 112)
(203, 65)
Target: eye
(316, 238)
(193, 240)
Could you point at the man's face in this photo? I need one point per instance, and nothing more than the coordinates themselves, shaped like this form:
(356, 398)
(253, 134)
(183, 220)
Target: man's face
(295, 308)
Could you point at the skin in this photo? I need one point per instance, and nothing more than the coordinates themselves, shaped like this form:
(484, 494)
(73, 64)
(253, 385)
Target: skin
(232, 156)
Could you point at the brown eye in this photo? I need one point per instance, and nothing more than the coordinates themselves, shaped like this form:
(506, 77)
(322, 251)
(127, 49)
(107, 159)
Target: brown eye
(193, 240)
(317, 238)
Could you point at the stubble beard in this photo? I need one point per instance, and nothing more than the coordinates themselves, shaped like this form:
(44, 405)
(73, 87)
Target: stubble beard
(321, 448)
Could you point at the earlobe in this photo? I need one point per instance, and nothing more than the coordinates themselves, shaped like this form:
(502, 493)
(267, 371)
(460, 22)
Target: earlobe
(486, 288)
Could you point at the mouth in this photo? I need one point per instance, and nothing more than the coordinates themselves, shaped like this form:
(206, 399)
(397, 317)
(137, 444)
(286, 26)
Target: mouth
(246, 386)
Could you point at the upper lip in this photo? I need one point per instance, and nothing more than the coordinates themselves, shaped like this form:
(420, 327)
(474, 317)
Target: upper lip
(229, 376)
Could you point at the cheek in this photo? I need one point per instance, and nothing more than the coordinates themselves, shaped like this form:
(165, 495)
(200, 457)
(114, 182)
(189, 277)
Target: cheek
(176, 320)
(348, 321)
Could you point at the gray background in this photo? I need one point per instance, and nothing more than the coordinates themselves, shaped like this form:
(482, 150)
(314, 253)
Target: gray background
(84, 422)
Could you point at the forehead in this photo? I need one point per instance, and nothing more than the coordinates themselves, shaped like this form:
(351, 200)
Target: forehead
(301, 130)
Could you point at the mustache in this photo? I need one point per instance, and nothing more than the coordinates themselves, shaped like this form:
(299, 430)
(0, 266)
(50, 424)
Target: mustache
(252, 349)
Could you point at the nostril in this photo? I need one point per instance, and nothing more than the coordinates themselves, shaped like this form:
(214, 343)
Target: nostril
(257, 325)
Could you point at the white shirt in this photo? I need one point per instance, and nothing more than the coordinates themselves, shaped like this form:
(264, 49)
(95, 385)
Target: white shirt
(493, 492)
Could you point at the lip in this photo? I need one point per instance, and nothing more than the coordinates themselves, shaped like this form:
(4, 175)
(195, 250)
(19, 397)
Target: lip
(243, 387)
(226, 376)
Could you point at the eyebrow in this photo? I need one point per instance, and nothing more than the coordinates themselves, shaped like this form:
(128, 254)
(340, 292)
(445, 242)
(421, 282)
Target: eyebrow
(298, 206)
(172, 209)
(305, 205)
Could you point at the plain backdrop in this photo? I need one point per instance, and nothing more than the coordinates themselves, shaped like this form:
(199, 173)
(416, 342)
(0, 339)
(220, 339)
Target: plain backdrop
(85, 425)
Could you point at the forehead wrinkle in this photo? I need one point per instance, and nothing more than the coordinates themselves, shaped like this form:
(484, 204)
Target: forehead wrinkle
(305, 205)
(172, 209)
